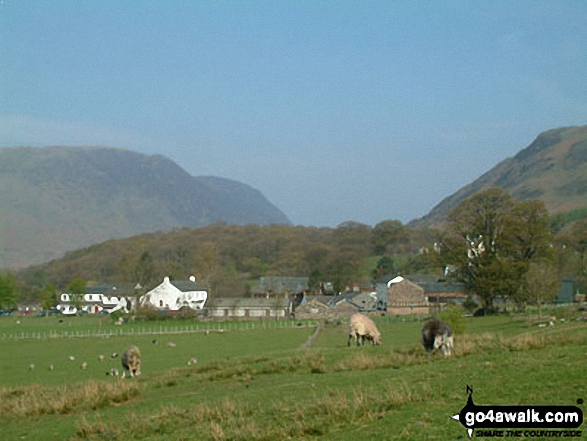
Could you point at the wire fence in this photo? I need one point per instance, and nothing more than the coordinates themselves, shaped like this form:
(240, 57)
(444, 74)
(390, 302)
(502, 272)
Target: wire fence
(161, 329)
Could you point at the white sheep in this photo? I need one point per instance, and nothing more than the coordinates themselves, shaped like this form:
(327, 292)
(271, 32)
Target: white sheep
(192, 360)
(363, 328)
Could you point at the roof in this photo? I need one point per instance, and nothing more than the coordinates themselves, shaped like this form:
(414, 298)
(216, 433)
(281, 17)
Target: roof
(325, 300)
(247, 302)
(278, 284)
(187, 285)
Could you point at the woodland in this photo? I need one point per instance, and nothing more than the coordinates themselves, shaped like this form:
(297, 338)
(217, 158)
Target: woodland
(493, 244)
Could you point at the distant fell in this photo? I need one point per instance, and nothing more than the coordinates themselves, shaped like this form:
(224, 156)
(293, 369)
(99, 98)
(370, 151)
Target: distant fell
(553, 168)
(57, 199)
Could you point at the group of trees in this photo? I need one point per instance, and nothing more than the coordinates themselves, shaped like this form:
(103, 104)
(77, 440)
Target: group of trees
(497, 246)
(229, 259)
(502, 248)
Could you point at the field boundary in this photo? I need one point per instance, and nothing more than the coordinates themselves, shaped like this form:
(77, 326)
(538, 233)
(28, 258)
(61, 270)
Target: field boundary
(195, 328)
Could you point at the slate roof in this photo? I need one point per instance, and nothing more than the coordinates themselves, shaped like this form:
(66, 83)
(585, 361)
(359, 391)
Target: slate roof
(281, 285)
(246, 302)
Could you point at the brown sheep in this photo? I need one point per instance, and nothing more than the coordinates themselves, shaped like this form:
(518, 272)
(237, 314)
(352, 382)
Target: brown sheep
(362, 328)
(131, 361)
(437, 335)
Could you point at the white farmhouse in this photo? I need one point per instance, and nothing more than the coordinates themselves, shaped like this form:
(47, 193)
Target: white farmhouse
(175, 295)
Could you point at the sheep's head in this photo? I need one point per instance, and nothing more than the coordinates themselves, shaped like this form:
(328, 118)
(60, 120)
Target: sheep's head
(376, 339)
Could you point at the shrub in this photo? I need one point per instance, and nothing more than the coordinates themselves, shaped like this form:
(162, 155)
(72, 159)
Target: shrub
(453, 315)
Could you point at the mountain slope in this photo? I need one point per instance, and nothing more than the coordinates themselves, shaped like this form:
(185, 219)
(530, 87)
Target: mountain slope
(56, 199)
(553, 169)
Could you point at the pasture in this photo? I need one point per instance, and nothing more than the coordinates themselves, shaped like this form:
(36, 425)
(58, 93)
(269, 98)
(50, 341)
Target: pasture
(260, 384)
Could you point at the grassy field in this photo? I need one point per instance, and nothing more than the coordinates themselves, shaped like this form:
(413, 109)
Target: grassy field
(259, 384)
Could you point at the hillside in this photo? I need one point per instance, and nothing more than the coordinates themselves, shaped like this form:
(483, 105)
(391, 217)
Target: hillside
(553, 169)
(56, 199)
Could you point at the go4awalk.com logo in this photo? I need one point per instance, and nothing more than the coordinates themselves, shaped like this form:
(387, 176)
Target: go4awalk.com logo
(517, 421)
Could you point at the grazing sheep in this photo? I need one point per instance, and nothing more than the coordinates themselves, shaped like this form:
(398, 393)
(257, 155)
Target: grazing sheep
(51, 367)
(192, 360)
(131, 361)
(362, 328)
(114, 355)
(113, 372)
(71, 358)
(100, 358)
(31, 367)
(437, 335)
(171, 344)
(84, 365)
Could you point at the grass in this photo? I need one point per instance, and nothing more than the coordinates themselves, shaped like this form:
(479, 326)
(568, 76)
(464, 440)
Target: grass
(250, 385)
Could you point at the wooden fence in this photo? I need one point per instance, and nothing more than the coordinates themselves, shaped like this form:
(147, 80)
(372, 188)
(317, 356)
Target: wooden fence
(131, 330)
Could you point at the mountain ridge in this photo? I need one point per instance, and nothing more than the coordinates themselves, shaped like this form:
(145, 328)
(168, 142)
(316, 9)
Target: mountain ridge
(59, 198)
(553, 168)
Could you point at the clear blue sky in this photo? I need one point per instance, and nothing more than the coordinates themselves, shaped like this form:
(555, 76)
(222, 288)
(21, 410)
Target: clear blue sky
(334, 110)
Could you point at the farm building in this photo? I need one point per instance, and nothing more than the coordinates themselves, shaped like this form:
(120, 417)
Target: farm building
(399, 296)
(173, 295)
(328, 307)
(240, 307)
(272, 285)
(440, 291)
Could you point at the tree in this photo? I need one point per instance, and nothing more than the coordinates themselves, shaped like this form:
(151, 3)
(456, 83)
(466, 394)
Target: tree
(391, 237)
(7, 291)
(385, 266)
(76, 290)
(492, 239)
(541, 283)
(48, 297)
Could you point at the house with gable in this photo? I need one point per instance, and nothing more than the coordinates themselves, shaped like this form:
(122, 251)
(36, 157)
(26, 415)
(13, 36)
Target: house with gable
(400, 296)
(173, 295)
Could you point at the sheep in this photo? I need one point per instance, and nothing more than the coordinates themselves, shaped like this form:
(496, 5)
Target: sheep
(114, 355)
(84, 365)
(31, 367)
(71, 358)
(113, 372)
(437, 335)
(100, 358)
(362, 328)
(51, 367)
(192, 360)
(171, 344)
(131, 361)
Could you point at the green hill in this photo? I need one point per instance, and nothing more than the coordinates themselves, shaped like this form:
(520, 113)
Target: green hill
(553, 169)
(56, 199)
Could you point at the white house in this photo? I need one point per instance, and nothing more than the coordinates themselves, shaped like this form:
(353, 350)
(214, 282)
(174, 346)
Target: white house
(94, 303)
(175, 295)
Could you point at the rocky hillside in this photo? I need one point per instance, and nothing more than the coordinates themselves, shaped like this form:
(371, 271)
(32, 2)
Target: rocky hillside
(56, 199)
(553, 169)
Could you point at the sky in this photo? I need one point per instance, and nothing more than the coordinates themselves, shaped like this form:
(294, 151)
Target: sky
(336, 111)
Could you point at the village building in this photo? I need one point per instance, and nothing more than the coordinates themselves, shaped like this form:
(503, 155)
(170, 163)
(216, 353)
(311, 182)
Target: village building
(249, 308)
(440, 291)
(174, 295)
(277, 285)
(103, 298)
(399, 296)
